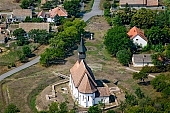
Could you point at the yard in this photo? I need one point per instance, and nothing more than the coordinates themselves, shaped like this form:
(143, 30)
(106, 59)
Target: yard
(22, 87)
(8, 5)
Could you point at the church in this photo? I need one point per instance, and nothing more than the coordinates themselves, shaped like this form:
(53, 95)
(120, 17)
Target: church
(83, 86)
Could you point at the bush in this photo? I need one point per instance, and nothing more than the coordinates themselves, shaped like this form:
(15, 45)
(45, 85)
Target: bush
(106, 5)
(153, 69)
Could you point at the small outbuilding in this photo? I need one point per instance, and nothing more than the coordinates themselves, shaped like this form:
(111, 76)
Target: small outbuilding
(140, 60)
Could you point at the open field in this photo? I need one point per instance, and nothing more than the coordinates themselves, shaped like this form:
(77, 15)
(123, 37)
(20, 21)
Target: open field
(8, 5)
(22, 87)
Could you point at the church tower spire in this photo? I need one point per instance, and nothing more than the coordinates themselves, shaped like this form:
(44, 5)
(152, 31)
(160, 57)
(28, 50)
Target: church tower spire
(82, 50)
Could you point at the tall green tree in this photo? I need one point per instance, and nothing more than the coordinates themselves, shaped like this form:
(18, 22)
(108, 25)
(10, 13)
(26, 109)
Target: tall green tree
(26, 50)
(94, 109)
(139, 93)
(118, 41)
(53, 108)
(72, 7)
(158, 59)
(19, 32)
(140, 76)
(124, 57)
(143, 18)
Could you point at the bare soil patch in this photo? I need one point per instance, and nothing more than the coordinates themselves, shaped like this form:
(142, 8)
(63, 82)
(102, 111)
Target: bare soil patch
(8, 5)
(21, 84)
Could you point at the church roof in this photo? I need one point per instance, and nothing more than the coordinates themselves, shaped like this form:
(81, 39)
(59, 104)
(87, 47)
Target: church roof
(83, 77)
(82, 47)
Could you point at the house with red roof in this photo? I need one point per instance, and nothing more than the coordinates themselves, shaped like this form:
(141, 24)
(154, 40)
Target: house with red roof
(138, 37)
(139, 3)
(84, 88)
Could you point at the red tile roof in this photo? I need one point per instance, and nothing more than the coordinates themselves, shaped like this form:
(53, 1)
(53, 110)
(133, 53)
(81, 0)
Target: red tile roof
(83, 77)
(152, 3)
(136, 31)
(58, 10)
(41, 13)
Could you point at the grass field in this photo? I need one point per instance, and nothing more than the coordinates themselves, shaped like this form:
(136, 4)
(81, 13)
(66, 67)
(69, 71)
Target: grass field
(22, 87)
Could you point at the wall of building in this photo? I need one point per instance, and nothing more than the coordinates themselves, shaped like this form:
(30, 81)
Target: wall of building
(139, 41)
(141, 64)
(102, 99)
(86, 100)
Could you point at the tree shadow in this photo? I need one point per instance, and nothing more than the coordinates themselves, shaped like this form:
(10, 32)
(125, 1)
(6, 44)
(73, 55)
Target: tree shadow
(111, 98)
(145, 83)
(106, 81)
(31, 55)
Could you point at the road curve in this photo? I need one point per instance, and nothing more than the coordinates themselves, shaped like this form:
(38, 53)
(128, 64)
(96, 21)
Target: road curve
(17, 69)
(95, 11)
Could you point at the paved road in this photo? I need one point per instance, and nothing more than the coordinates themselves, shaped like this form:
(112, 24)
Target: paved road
(95, 11)
(9, 73)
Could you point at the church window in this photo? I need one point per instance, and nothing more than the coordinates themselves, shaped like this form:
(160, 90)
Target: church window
(88, 98)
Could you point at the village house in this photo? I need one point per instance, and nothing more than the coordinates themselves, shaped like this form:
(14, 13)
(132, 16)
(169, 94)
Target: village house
(84, 88)
(137, 36)
(140, 60)
(29, 26)
(139, 3)
(19, 15)
(52, 13)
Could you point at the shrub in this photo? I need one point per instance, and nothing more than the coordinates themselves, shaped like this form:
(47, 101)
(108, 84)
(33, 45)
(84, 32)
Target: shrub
(153, 69)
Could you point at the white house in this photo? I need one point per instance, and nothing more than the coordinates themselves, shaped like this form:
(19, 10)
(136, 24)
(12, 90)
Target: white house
(19, 15)
(140, 60)
(83, 86)
(52, 13)
(137, 36)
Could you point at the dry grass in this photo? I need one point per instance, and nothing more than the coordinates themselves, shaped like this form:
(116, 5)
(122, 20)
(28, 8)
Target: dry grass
(22, 83)
(8, 5)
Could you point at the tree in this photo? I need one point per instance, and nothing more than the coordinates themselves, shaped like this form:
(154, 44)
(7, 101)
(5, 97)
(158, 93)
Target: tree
(39, 36)
(117, 21)
(157, 35)
(72, 7)
(139, 93)
(53, 108)
(28, 19)
(140, 76)
(122, 106)
(63, 107)
(47, 5)
(11, 108)
(57, 20)
(158, 59)
(124, 56)
(118, 41)
(19, 32)
(26, 50)
(39, 20)
(159, 83)
(25, 4)
(106, 5)
(144, 18)
(94, 109)
(130, 99)
(110, 111)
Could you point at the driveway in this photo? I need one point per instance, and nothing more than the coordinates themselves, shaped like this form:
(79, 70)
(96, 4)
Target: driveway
(9, 73)
(95, 11)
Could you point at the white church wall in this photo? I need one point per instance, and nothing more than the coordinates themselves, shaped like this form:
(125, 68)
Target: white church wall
(102, 99)
(86, 100)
